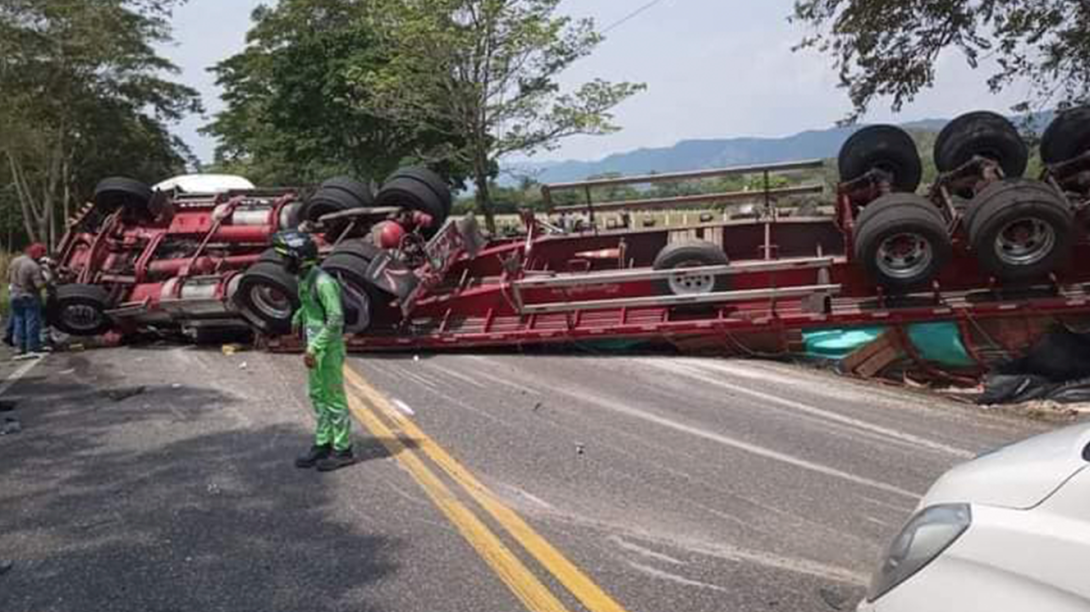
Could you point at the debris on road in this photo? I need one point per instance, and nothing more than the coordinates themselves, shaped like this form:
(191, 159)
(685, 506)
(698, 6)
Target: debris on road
(832, 599)
(11, 426)
(231, 349)
(120, 395)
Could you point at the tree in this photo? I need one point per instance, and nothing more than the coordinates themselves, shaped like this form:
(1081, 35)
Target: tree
(889, 47)
(84, 95)
(482, 73)
(292, 115)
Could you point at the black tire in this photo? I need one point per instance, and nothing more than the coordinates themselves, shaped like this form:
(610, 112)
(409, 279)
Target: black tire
(120, 192)
(359, 248)
(885, 147)
(80, 310)
(412, 194)
(267, 296)
(982, 133)
(271, 256)
(360, 191)
(362, 299)
(1067, 137)
(434, 182)
(1021, 230)
(901, 241)
(692, 254)
(328, 200)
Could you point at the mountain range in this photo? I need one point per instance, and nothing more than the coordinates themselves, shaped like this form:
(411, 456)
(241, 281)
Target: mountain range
(711, 153)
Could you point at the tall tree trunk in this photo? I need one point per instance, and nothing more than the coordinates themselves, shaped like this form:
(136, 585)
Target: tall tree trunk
(484, 196)
(484, 200)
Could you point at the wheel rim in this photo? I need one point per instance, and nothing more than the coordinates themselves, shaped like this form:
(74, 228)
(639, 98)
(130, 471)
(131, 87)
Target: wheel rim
(1025, 241)
(271, 302)
(81, 317)
(905, 255)
(691, 284)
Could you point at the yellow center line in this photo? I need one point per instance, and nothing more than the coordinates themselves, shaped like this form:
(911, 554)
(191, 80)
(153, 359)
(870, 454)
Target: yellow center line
(522, 582)
(567, 573)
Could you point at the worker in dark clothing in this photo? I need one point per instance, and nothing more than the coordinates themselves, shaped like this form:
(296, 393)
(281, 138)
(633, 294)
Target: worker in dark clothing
(321, 316)
(26, 282)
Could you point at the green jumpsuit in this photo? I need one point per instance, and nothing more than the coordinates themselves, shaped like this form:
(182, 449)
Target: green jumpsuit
(322, 316)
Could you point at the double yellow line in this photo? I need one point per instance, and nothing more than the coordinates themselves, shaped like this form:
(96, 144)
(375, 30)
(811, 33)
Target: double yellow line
(367, 403)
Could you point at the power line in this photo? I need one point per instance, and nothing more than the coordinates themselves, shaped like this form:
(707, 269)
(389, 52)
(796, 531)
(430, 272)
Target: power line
(631, 15)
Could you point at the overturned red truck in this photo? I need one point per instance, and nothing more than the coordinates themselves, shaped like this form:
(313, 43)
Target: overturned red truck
(984, 248)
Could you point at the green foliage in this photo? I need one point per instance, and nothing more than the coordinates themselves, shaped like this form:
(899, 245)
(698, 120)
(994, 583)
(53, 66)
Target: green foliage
(293, 116)
(890, 47)
(84, 96)
(482, 75)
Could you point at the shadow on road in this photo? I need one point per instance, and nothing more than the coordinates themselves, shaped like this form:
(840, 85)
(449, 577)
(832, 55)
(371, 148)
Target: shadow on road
(159, 502)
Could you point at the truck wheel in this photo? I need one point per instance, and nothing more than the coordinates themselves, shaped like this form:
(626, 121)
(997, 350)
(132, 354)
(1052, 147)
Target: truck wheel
(361, 299)
(412, 194)
(692, 254)
(120, 192)
(434, 182)
(271, 256)
(1020, 230)
(901, 241)
(80, 310)
(359, 248)
(329, 200)
(359, 191)
(982, 133)
(1067, 137)
(267, 297)
(882, 147)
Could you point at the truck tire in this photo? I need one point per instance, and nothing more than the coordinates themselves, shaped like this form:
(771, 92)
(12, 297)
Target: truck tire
(120, 192)
(412, 194)
(360, 191)
(691, 254)
(360, 248)
(901, 241)
(434, 182)
(1067, 137)
(362, 300)
(325, 201)
(883, 147)
(271, 256)
(80, 310)
(1020, 230)
(267, 297)
(982, 133)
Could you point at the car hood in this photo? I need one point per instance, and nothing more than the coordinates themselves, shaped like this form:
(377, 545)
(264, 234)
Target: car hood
(1020, 475)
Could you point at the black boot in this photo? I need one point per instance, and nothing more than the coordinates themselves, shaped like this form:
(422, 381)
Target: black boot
(315, 455)
(337, 460)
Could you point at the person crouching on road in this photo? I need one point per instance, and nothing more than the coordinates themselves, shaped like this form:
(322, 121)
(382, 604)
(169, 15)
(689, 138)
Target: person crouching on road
(25, 282)
(321, 316)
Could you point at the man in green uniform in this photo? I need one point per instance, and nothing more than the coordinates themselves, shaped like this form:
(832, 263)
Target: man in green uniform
(321, 316)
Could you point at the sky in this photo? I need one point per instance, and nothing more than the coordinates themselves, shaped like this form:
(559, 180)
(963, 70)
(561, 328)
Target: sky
(713, 69)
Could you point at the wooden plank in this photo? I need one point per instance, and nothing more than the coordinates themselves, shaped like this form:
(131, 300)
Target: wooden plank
(875, 356)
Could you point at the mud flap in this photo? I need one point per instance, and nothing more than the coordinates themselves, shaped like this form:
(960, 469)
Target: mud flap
(391, 275)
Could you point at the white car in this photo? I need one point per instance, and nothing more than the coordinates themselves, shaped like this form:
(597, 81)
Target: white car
(1008, 531)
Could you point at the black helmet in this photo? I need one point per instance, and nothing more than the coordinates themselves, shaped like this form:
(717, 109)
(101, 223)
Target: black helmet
(298, 249)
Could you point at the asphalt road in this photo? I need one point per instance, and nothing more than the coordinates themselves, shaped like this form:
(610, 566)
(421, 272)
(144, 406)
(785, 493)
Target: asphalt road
(161, 479)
